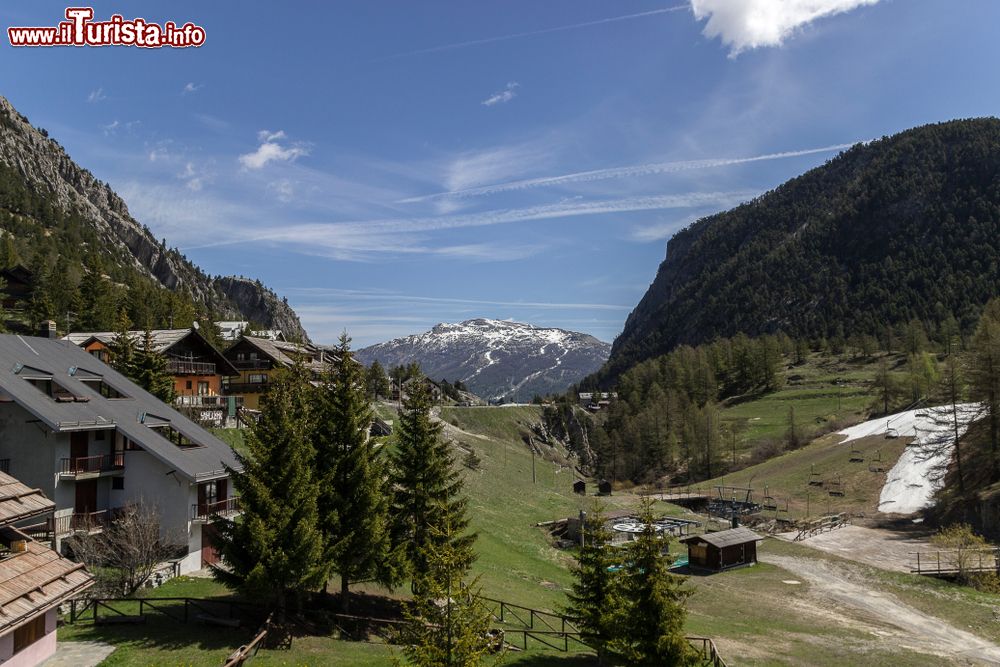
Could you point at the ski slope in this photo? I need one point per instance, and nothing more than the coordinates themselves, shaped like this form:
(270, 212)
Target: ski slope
(911, 483)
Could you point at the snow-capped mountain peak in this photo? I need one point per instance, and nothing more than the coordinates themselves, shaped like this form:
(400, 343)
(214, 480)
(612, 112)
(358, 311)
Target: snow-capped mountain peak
(496, 358)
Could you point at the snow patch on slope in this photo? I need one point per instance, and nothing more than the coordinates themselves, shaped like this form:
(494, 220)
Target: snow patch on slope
(917, 475)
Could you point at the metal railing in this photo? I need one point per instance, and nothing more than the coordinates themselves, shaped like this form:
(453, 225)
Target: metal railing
(92, 465)
(185, 367)
(205, 511)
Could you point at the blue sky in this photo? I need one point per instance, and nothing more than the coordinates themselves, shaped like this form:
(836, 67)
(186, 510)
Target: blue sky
(391, 165)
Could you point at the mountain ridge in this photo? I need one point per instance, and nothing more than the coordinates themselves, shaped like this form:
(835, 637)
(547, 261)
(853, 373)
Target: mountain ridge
(496, 358)
(49, 172)
(903, 228)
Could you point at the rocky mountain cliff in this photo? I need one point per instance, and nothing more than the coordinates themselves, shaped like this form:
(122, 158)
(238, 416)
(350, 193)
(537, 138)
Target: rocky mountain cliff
(496, 358)
(49, 174)
(900, 229)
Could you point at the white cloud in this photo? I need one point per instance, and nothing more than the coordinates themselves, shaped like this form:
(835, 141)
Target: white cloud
(96, 96)
(191, 87)
(284, 190)
(473, 169)
(502, 97)
(533, 33)
(603, 174)
(270, 150)
(158, 153)
(750, 24)
(265, 136)
(193, 179)
(660, 231)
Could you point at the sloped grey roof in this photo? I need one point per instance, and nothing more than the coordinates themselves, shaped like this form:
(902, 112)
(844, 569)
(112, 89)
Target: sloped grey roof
(280, 352)
(68, 363)
(162, 338)
(726, 538)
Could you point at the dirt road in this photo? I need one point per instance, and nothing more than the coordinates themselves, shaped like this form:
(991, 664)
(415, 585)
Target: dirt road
(885, 549)
(856, 603)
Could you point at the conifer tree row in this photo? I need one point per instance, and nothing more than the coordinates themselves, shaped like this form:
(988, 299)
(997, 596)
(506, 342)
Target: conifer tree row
(319, 499)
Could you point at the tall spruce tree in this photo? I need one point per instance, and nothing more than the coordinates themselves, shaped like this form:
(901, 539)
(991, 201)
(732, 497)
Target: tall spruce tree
(428, 500)
(149, 369)
(274, 550)
(122, 346)
(448, 621)
(984, 376)
(652, 629)
(596, 601)
(354, 497)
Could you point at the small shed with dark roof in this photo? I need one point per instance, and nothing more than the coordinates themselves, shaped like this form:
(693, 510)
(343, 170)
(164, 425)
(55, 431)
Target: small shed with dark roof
(726, 549)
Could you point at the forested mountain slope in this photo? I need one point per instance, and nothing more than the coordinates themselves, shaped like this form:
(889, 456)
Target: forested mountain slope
(903, 228)
(90, 256)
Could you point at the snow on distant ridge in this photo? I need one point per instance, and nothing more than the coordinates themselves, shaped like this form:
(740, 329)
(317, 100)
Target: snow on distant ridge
(497, 358)
(912, 482)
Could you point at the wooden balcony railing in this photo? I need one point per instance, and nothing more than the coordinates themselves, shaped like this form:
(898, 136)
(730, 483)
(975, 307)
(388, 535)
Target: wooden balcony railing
(252, 364)
(68, 524)
(92, 465)
(5, 465)
(200, 401)
(185, 367)
(245, 387)
(205, 511)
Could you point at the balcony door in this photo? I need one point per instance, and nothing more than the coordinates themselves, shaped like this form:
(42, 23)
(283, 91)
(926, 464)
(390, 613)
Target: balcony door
(86, 497)
(77, 450)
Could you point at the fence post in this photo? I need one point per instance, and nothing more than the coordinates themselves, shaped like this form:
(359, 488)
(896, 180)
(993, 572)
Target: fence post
(185, 610)
(918, 562)
(72, 610)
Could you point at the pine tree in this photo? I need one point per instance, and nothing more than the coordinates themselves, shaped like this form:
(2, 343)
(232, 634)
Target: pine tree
(984, 375)
(8, 254)
(595, 598)
(149, 370)
(274, 550)
(428, 501)
(652, 627)
(376, 381)
(448, 621)
(122, 346)
(353, 501)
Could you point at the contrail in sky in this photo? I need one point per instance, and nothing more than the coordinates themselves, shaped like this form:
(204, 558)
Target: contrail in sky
(532, 33)
(619, 172)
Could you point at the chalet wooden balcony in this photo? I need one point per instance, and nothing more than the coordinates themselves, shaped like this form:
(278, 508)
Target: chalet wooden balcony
(5, 466)
(202, 512)
(185, 367)
(198, 401)
(85, 467)
(69, 524)
(245, 387)
(253, 364)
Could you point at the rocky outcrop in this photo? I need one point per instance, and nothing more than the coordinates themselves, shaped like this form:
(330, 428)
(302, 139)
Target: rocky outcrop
(47, 168)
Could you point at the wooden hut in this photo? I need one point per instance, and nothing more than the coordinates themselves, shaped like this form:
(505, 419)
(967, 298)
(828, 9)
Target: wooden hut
(726, 549)
(604, 488)
(580, 486)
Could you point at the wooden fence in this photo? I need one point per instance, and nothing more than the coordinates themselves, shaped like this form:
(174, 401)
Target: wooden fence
(955, 561)
(177, 608)
(519, 625)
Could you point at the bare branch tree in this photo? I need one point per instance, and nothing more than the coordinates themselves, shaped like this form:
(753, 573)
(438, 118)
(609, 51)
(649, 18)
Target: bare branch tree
(128, 551)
